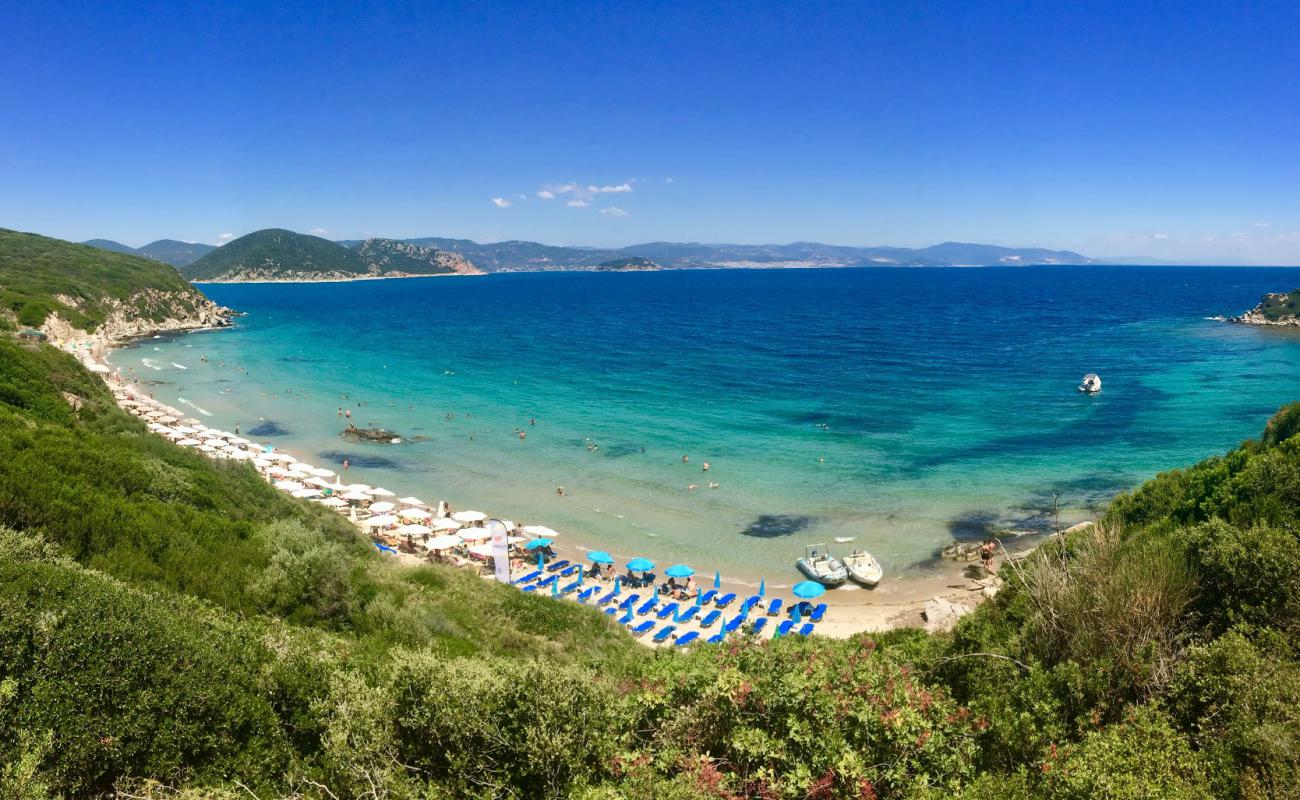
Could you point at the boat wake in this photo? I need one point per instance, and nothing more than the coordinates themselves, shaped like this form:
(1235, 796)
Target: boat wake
(149, 363)
(179, 366)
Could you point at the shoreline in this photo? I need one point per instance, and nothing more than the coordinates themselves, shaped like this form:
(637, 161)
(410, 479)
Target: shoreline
(898, 602)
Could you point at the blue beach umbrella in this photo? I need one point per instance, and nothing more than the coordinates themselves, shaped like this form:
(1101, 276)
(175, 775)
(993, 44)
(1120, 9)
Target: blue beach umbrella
(537, 544)
(618, 586)
(762, 588)
(794, 612)
(808, 590)
(581, 572)
(679, 571)
(640, 565)
(555, 588)
(677, 615)
(541, 561)
(717, 580)
(698, 599)
(600, 557)
(656, 595)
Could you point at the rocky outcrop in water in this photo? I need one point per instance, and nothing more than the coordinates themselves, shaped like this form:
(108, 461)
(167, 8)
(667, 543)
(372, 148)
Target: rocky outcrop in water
(373, 435)
(1279, 308)
(145, 313)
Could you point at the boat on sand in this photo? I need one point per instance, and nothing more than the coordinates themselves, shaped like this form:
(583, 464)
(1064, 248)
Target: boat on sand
(819, 565)
(863, 568)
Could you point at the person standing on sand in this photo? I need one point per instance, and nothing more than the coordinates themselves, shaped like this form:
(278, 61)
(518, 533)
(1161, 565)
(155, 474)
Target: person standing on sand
(986, 555)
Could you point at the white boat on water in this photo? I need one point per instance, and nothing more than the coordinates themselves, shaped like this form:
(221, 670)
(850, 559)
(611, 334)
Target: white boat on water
(864, 568)
(1091, 383)
(819, 565)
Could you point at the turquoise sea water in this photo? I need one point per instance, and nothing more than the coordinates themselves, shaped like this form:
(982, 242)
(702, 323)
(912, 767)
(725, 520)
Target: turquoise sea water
(901, 407)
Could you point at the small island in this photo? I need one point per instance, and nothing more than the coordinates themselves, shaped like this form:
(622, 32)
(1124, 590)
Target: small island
(630, 264)
(1279, 308)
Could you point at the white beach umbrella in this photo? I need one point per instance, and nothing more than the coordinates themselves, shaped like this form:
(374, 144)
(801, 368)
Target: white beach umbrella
(288, 486)
(444, 542)
(358, 487)
(277, 471)
(239, 455)
(305, 492)
(185, 429)
(444, 524)
(382, 508)
(382, 492)
(215, 442)
(321, 472)
(333, 502)
(281, 457)
(98, 368)
(414, 530)
(415, 513)
(320, 482)
(469, 516)
(540, 532)
(381, 521)
(515, 539)
(189, 442)
(356, 496)
(207, 448)
(241, 441)
(482, 550)
(411, 501)
(474, 534)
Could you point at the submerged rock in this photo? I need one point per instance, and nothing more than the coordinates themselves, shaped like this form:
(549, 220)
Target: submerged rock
(374, 435)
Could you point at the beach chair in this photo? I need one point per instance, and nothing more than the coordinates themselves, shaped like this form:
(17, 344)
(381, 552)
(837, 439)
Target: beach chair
(749, 603)
(686, 638)
(643, 628)
(710, 618)
(586, 594)
(734, 623)
(545, 582)
(667, 611)
(566, 589)
(569, 571)
(629, 601)
(726, 600)
(818, 613)
(626, 619)
(708, 596)
(608, 598)
(529, 578)
(664, 633)
(759, 624)
(784, 628)
(646, 607)
(611, 611)
(774, 607)
(806, 629)
(529, 588)
(688, 614)
(717, 638)
(557, 566)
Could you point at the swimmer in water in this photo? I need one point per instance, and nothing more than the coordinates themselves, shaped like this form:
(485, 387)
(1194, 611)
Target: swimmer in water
(713, 485)
(522, 436)
(691, 487)
(706, 466)
(532, 422)
(685, 459)
(560, 491)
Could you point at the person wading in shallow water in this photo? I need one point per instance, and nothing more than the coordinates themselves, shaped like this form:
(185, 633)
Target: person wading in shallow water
(986, 555)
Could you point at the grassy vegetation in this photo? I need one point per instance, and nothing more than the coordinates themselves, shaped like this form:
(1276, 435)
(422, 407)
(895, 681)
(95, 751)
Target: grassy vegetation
(275, 251)
(35, 271)
(1277, 307)
(175, 627)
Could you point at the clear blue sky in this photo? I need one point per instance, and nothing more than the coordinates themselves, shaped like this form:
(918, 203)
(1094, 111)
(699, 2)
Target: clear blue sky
(1169, 130)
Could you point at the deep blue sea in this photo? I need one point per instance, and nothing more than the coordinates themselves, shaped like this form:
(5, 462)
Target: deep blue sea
(903, 407)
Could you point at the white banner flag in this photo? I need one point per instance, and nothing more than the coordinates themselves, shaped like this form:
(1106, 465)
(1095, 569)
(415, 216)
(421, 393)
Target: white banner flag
(500, 549)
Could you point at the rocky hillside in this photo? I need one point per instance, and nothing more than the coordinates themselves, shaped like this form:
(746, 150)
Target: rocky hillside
(1281, 308)
(394, 258)
(74, 291)
(276, 254)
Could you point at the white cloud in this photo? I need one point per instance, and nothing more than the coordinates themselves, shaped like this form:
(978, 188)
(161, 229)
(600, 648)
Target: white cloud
(670, 179)
(546, 194)
(225, 237)
(578, 203)
(501, 202)
(622, 188)
(319, 232)
(613, 211)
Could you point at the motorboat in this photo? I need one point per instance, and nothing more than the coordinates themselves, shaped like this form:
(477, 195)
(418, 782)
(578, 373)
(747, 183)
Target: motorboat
(1091, 383)
(820, 566)
(864, 568)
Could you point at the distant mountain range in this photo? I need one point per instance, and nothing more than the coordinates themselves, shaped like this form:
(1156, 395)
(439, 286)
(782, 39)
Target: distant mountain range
(168, 251)
(277, 254)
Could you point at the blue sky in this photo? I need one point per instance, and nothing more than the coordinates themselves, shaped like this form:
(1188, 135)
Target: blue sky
(1169, 130)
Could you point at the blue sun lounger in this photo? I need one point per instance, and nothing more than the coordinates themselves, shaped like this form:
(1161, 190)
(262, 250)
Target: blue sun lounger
(567, 571)
(687, 638)
(806, 629)
(818, 613)
(586, 594)
(726, 600)
(643, 628)
(608, 598)
(717, 638)
(667, 611)
(784, 628)
(611, 611)
(759, 624)
(688, 614)
(566, 589)
(647, 607)
(529, 578)
(664, 633)
(626, 619)
(710, 618)
(545, 582)
(774, 607)
(557, 566)
(734, 623)
(708, 596)
(529, 589)
(749, 603)
(629, 601)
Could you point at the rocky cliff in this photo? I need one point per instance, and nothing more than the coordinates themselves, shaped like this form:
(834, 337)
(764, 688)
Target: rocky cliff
(144, 313)
(1280, 308)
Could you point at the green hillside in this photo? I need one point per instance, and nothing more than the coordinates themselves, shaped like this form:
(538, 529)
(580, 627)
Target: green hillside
(178, 254)
(39, 275)
(112, 246)
(275, 253)
(391, 256)
(1281, 306)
